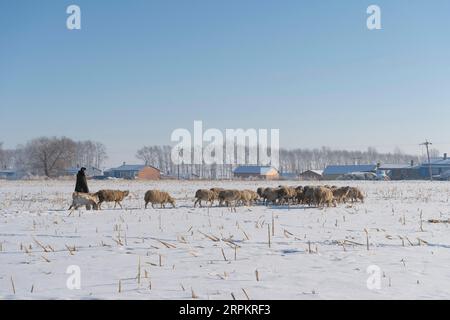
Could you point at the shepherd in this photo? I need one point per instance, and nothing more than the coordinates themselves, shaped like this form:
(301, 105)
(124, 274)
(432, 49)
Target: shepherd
(81, 185)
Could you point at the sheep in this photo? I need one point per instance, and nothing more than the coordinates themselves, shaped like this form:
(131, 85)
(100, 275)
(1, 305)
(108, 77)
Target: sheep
(204, 195)
(308, 195)
(299, 195)
(355, 194)
(80, 199)
(230, 198)
(248, 197)
(260, 192)
(254, 196)
(324, 196)
(216, 192)
(286, 194)
(115, 196)
(271, 195)
(340, 194)
(157, 196)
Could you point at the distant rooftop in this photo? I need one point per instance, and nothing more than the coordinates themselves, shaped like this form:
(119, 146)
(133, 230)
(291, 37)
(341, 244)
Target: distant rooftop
(343, 169)
(131, 167)
(388, 166)
(261, 170)
(439, 161)
(319, 172)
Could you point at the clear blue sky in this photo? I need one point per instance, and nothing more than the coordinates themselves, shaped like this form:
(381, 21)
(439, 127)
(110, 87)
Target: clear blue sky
(137, 70)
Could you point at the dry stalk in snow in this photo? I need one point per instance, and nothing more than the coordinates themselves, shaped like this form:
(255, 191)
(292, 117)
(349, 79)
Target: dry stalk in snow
(13, 286)
(223, 254)
(246, 295)
(367, 239)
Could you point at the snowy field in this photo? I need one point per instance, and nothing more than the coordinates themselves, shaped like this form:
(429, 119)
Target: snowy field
(216, 254)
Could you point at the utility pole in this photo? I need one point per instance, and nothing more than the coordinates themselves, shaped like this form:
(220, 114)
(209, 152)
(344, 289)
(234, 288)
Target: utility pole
(427, 145)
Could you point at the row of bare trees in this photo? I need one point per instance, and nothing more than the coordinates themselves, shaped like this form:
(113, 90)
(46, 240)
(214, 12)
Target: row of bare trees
(293, 160)
(51, 156)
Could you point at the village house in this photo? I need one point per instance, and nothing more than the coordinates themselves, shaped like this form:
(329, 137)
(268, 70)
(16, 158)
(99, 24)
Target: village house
(439, 166)
(134, 171)
(312, 175)
(335, 171)
(401, 171)
(11, 174)
(256, 172)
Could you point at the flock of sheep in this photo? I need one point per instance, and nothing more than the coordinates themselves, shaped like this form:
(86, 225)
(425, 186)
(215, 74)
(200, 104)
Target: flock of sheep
(319, 196)
(308, 195)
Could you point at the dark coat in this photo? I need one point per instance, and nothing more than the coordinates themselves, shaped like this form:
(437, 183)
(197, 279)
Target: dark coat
(81, 185)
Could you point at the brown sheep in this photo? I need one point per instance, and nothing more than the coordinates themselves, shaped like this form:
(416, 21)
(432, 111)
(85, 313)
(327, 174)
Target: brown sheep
(324, 196)
(286, 194)
(248, 197)
(355, 194)
(230, 198)
(254, 196)
(260, 192)
(204, 195)
(299, 195)
(271, 195)
(216, 192)
(115, 196)
(308, 195)
(340, 194)
(80, 199)
(157, 196)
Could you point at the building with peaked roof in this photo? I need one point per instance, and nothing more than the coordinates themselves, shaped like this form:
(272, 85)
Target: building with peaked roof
(401, 171)
(12, 174)
(438, 167)
(335, 171)
(134, 171)
(256, 172)
(312, 175)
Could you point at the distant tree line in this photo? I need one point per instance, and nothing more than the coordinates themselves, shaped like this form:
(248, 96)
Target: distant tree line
(291, 160)
(51, 156)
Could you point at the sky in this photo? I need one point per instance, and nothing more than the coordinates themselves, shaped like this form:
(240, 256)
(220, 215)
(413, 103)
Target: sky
(137, 70)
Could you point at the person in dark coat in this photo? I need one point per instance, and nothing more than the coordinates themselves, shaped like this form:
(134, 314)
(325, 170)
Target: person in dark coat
(81, 185)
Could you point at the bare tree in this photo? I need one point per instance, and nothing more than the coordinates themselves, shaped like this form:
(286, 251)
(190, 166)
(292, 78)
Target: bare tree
(50, 156)
(89, 154)
(434, 153)
(100, 154)
(146, 154)
(7, 158)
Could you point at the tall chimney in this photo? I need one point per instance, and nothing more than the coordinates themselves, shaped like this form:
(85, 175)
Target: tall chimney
(445, 156)
(124, 163)
(412, 163)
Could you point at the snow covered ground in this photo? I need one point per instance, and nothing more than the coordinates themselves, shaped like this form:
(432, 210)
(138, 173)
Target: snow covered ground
(213, 253)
